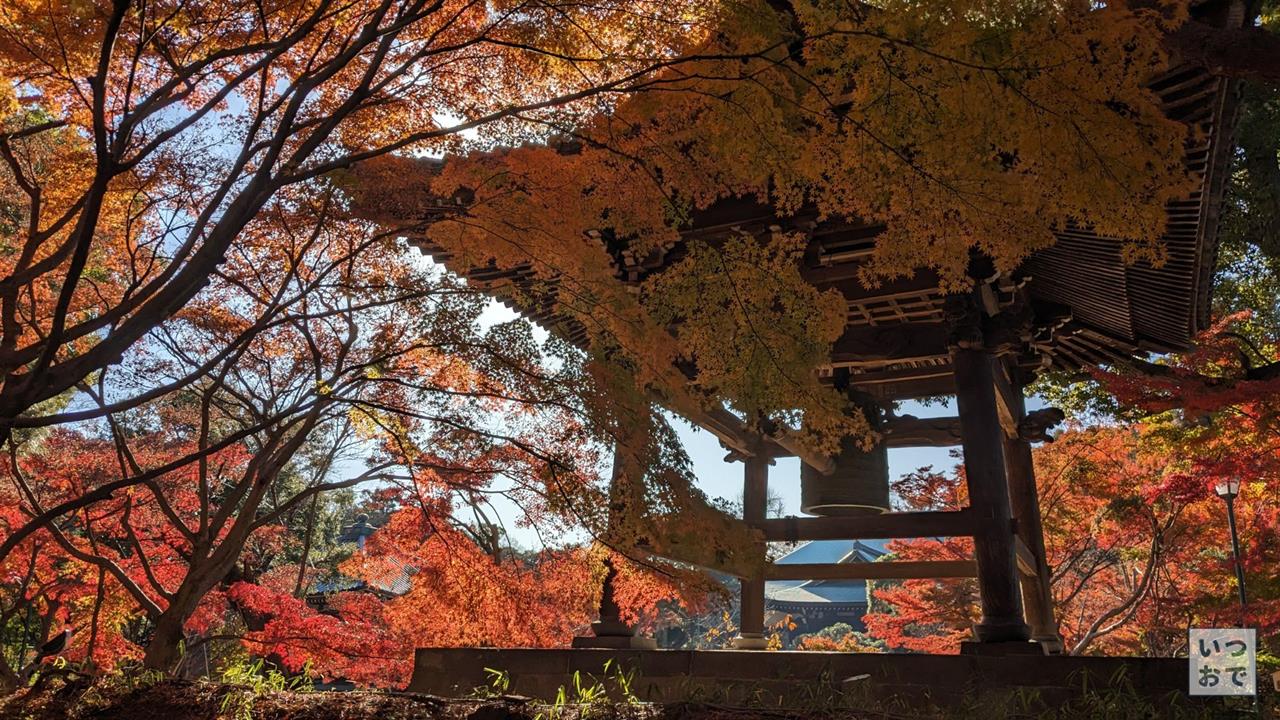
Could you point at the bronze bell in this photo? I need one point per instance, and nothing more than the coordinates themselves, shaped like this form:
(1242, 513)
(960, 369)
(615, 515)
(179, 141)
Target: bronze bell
(859, 484)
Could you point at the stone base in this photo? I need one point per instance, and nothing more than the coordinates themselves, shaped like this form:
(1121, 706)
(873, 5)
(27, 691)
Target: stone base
(779, 677)
(1052, 644)
(750, 641)
(1011, 631)
(615, 642)
(611, 627)
(1002, 649)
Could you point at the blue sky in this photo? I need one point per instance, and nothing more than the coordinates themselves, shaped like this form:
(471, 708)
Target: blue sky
(721, 479)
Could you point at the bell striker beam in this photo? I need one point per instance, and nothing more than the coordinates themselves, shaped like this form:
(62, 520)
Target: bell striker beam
(755, 494)
(982, 443)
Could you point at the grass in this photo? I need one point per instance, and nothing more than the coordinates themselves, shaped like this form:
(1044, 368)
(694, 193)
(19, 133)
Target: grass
(250, 692)
(254, 680)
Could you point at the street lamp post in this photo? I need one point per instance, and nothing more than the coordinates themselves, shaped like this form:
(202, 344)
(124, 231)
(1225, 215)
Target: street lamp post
(1228, 490)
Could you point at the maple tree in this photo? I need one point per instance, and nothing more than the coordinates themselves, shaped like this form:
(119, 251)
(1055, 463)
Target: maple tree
(1211, 412)
(318, 343)
(140, 140)
(828, 121)
(164, 270)
(182, 138)
(1252, 215)
(454, 594)
(1244, 300)
(185, 291)
(108, 574)
(1134, 534)
(839, 637)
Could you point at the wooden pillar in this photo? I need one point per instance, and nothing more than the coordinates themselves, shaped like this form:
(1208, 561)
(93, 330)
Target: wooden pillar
(1024, 501)
(982, 440)
(755, 497)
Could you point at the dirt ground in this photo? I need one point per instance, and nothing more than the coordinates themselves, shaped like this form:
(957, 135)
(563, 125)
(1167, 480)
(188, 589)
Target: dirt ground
(73, 697)
(184, 700)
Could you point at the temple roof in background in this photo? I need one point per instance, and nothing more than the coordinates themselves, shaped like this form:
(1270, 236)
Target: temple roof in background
(808, 592)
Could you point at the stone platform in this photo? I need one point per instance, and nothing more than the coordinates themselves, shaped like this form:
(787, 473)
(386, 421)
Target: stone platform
(733, 676)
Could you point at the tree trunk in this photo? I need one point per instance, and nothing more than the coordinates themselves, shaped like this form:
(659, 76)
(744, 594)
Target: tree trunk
(164, 651)
(9, 680)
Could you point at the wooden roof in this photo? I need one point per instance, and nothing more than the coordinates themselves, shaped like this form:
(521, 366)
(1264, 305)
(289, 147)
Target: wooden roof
(1088, 306)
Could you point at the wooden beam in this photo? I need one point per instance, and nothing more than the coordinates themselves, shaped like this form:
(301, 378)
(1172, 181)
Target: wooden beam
(846, 258)
(831, 274)
(900, 432)
(728, 430)
(1037, 599)
(869, 375)
(736, 213)
(911, 431)
(735, 435)
(958, 523)
(1008, 400)
(906, 387)
(845, 279)
(755, 490)
(898, 343)
(902, 570)
(785, 444)
(1026, 560)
